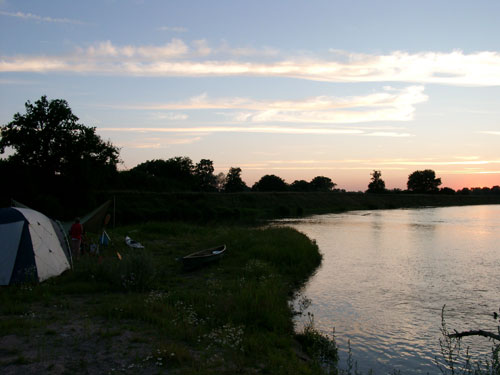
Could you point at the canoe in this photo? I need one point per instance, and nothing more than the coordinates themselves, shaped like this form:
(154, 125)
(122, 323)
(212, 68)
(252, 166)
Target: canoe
(203, 257)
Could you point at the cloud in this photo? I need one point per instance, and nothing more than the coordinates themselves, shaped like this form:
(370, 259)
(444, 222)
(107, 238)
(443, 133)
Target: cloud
(388, 105)
(30, 16)
(170, 116)
(490, 132)
(365, 164)
(204, 130)
(176, 48)
(450, 68)
(431, 163)
(236, 129)
(176, 29)
(388, 134)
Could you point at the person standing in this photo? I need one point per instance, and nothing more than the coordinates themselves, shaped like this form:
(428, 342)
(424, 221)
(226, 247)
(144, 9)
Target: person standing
(76, 233)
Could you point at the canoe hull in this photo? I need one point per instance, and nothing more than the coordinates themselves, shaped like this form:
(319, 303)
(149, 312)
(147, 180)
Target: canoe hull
(203, 257)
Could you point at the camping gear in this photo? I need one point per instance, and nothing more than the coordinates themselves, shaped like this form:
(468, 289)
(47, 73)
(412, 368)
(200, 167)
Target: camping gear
(202, 257)
(104, 240)
(92, 222)
(130, 242)
(32, 246)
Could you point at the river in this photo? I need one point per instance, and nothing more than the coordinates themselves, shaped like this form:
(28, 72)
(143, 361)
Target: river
(387, 274)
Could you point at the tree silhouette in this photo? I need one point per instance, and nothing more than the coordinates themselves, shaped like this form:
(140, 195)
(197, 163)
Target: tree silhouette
(48, 137)
(377, 185)
(234, 183)
(321, 183)
(55, 159)
(270, 183)
(176, 173)
(300, 185)
(204, 172)
(423, 181)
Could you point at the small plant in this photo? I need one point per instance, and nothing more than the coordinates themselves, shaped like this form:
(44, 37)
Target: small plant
(458, 362)
(320, 347)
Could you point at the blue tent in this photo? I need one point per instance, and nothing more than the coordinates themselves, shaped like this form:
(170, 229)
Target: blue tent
(32, 246)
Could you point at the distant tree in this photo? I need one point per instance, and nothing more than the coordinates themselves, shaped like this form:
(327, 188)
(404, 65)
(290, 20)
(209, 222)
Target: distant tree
(464, 191)
(176, 173)
(204, 172)
(495, 189)
(423, 181)
(300, 185)
(377, 185)
(234, 183)
(485, 190)
(270, 183)
(446, 191)
(321, 183)
(54, 159)
(220, 180)
(49, 138)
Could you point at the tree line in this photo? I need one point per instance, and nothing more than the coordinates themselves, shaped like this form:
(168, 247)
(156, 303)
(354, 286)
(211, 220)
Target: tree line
(54, 157)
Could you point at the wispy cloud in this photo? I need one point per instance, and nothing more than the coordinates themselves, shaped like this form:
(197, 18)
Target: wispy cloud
(176, 29)
(204, 130)
(490, 132)
(171, 116)
(235, 129)
(452, 68)
(388, 105)
(34, 17)
(174, 49)
(369, 165)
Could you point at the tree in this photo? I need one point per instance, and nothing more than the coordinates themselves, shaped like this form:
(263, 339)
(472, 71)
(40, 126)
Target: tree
(234, 183)
(49, 138)
(300, 185)
(377, 185)
(321, 183)
(446, 191)
(220, 181)
(423, 181)
(270, 183)
(174, 174)
(204, 172)
(54, 160)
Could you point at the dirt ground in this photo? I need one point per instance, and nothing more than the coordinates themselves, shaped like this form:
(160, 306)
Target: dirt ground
(70, 342)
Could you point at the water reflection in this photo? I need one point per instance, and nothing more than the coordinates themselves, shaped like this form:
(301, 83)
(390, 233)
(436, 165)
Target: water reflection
(386, 275)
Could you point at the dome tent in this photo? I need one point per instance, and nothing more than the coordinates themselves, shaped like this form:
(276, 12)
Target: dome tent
(32, 246)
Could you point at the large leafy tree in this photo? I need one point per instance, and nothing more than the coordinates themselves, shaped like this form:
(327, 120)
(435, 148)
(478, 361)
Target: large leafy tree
(48, 137)
(423, 181)
(54, 162)
(300, 186)
(204, 172)
(322, 183)
(176, 173)
(270, 183)
(233, 182)
(376, 185)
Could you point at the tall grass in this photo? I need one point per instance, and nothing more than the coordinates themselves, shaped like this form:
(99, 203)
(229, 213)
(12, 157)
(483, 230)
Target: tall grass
(233, 316)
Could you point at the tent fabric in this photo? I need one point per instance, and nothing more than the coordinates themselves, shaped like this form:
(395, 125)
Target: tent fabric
(33, 247)
(92, 222)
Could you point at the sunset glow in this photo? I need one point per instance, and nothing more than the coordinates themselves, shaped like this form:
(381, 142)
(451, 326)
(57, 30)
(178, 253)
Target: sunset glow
(288, 88)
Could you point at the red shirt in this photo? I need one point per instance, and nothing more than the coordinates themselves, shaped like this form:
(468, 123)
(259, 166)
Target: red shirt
(76, 231)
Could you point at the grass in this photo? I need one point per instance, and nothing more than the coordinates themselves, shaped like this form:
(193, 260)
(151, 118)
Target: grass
(143, 313)
(252, 207)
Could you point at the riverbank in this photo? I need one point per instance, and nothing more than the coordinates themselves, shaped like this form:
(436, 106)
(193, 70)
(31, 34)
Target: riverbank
(252, 207)
(144, 315)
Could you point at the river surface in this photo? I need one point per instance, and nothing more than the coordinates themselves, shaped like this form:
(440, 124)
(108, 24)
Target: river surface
(386, 275)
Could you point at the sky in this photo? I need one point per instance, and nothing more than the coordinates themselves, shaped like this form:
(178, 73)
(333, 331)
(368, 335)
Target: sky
(294, 88)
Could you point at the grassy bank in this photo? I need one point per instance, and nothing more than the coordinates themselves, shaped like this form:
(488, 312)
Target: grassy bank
(133, 207)
(145, 315)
